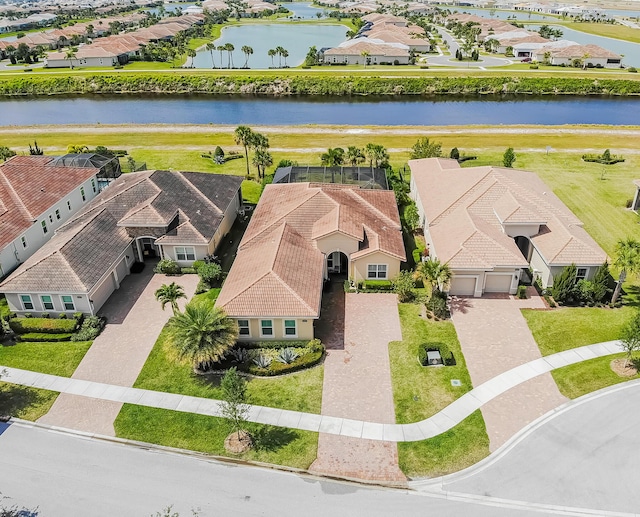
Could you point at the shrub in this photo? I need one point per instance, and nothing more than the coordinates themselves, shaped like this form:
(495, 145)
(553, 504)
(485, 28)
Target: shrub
(508, 158)
(378, 285)
(601, 284)
(632, 69)
(210, 272)
(41, 337)
(454, 154)
(62, 316)
(45, 315)
(202, 287)
(42, 325)
(564, 286)
(533, 67)
(417, 255)
(167, 267)
(522, 292)
(198, 264)
(437, 305)
(447, 356)
(91, 328)
(262, 361)
(312, 357)
(411, 217)
(188, 271)
(404, 286)
(287, 355)
(255, 345)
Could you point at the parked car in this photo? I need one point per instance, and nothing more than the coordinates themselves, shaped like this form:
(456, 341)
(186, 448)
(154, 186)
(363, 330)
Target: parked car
(526, 60)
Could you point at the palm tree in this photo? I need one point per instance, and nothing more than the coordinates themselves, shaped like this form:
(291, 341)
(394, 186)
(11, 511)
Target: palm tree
(434, 273)
(243, 135)
(377, 154)
(355, 155)
(211, 47)
(221, 49)
(271, 53)
(191, 53)
(262, 159)
(279, 51)
(230, 48)
(334, 157)
(365, 57)
(247, 51)
(627, 261)
(285, 55)
(203, 335)
(170, 294)
(70, 54)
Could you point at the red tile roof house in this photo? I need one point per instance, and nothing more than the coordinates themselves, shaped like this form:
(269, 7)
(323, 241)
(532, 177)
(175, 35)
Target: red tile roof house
(37, 197)
(299, 235)
(176, 215)
(490, 223)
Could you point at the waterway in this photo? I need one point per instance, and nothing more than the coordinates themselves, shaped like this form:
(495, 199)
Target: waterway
(443, 110)
(503, 15)
(295, 39)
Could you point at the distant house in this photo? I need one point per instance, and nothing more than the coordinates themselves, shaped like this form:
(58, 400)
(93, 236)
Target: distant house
(300, 235)
(141, 216)
(590, 55)
(368, 51)
(37, 196)
(492, 224)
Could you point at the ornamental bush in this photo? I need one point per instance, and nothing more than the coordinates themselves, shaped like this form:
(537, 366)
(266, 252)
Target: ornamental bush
(42, 325)
(167, 267)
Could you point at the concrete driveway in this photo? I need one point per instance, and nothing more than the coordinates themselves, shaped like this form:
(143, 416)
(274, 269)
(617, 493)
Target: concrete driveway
(134, 322)
(495, 337)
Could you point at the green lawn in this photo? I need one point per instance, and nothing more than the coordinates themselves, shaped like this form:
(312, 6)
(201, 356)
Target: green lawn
(582, 378)
(571, 327)
(421, 392)
(53, 358)
(23, 402)
(275, 445)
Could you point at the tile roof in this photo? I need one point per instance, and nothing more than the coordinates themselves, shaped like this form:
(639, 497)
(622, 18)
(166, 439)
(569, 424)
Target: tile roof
(466, 208)
(278, 270)
(29, 186)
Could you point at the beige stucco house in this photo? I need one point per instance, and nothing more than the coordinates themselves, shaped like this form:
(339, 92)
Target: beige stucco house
(491, 223)
(300, 235)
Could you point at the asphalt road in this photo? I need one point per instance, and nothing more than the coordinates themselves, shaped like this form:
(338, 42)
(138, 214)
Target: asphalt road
(586, 457)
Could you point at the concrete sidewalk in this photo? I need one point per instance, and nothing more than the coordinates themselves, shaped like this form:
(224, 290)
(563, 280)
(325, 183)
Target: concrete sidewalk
(437, 424)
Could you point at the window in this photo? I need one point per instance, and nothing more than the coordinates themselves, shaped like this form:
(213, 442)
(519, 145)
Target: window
(266, 328)
(47, 302)
(93, 185)
(581, 274)
(290, 328)
(67, 303)
(27, 304)
(84, 197)
(69, 205)
(44, 227)
(23, 240)
(58, 214)
(50, 218)
(243, 326)
(185, 253)
(377, 271)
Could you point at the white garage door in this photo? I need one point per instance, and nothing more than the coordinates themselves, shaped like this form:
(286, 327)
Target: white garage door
(498, 283)
(103, 292)
(122, 270)
(463, 286)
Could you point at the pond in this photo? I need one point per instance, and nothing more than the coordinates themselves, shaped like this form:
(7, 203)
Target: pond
(303, 10)
(294, 38)
(169, 8)
(439, 110)
(503, 15)
(630, 51)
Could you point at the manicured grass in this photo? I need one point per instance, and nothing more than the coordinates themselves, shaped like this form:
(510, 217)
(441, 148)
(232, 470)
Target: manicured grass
(421, 392)
(276, 445)
(571, 327)
(608, 30)
(301, 391)
(210, 296)
(53, 358)
(582, 378)
(460, 447)
(418, 391)
(22, 402)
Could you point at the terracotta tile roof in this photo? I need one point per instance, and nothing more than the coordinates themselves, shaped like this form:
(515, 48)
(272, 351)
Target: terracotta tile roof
(374, 48)
(466, 208)
(29, 187)
(579, 51)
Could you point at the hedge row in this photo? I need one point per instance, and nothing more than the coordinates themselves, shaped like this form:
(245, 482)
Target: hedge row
(42, 325)
(41, 337)
(254, 345)
(175, 83)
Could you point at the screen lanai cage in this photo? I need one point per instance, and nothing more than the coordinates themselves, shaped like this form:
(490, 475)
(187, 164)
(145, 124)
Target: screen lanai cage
(364, 177)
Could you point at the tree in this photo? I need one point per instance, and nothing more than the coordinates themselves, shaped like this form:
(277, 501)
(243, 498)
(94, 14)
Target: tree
(600, 283)
(202, 334)
(404, 287)
(423, 148)
(411, 216)
(6, 153)
(234, 406)
(508, 157)
(509, 51)
(170, 294)
(365, 57)
(221, 49)
(271, 53)
(627, 261)
(630, 338)
(262, 159)
(564, 285)
(191, 53)
(434, 273)
(230, 48)
(35, 150)
(355, 155)
(70, 54)
(334, 157)
(454, 154)
(77, 149)
(211, 47)
(243, 136)
(285, 55)
(311, 57)
(376, 154)
(279, 50)
(247, 51)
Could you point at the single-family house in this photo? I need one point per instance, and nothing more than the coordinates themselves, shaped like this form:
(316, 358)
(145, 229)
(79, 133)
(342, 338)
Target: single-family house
(371, 50)
(491, 223)
(141, 216)
(589, 55)
(301, 234)
(37, 196)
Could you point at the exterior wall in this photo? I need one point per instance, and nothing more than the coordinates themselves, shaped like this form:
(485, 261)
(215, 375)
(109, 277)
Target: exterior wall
(359, 267)
(81, 62)
(304, 328)
(169, 252)
(541, 269)
(337, 242)
(481, 278)
(351, 59)
(80, 300)
(12, 255)
(229, 218)
(524, 230)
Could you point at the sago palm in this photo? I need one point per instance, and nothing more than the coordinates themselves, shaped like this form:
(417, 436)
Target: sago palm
(434, 273)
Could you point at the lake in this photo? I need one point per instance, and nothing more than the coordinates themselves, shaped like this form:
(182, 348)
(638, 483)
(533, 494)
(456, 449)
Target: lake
(169, 8)
(442, 110)
(630, 51)
(502, 15)
(303, 10)
(296, 39)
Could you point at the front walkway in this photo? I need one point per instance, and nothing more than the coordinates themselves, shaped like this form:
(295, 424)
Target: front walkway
(495, 337)
(134, 322)
(357, 385)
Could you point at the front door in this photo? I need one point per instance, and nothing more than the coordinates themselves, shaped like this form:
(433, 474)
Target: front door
(333, 262)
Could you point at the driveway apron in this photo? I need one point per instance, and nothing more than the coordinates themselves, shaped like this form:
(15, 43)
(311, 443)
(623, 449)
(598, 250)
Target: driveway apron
(357, 385)
(134, 322)
(495, 337)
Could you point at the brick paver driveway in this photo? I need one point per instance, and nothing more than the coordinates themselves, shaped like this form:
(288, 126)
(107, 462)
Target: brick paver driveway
(495, 337)
(134, 322)
(357, 384)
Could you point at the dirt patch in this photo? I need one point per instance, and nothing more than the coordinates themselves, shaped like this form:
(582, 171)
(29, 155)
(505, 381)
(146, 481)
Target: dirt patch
(621, 368)
(238, 443)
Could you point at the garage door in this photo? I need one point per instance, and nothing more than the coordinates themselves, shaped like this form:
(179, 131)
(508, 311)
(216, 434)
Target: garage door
(463, 286)
(122, 270)
(498, 283)
(103, 292)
